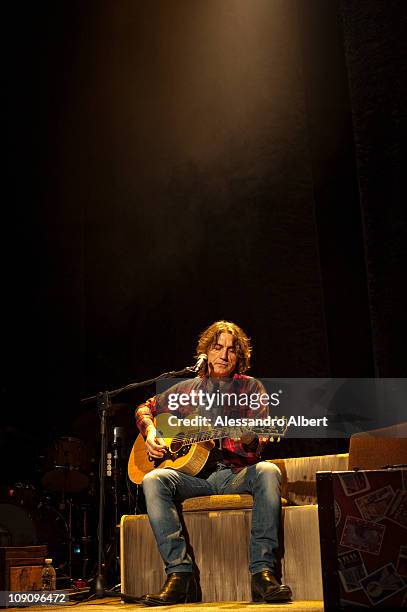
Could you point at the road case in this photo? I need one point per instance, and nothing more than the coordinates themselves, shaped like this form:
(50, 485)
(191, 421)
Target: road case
(363, 536)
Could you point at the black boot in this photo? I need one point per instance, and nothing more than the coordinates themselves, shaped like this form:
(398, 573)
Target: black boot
(265, 587)
(180, 587)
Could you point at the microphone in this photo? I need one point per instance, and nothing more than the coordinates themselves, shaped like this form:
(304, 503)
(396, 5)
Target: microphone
(201, 360)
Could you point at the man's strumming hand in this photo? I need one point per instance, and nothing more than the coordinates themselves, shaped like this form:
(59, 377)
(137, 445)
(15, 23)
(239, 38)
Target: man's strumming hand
(156, 447)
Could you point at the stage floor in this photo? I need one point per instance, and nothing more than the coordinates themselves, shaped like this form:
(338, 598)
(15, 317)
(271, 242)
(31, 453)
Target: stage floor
(112, 605)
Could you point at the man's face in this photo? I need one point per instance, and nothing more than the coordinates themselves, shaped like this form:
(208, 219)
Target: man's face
(222, 356)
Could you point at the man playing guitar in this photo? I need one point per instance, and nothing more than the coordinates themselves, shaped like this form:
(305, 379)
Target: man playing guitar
(235, 467)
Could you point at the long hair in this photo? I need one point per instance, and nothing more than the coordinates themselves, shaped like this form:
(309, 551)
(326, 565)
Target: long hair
(241, 342)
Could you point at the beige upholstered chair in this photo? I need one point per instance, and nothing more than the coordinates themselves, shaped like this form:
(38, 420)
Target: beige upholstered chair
(218, 527)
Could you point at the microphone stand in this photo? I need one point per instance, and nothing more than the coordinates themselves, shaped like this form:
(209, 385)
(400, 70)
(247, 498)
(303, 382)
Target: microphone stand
(103, 400)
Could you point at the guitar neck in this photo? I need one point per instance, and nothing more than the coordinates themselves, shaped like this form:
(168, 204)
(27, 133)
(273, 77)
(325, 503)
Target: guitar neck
(226, 432)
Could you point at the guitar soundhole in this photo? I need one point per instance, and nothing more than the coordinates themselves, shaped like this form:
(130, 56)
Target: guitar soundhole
(178, 448)
(175, 446)
(175, 451)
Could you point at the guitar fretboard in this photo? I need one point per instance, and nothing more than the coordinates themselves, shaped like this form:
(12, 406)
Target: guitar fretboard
(225, 432)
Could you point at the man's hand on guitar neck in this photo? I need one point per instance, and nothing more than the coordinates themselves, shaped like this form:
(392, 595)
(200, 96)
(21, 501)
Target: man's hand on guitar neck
(156, 447)
(248, 437)
(253, 442)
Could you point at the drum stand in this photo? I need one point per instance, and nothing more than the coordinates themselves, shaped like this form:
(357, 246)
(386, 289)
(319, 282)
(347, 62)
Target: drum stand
(85, 539)
(64, 504)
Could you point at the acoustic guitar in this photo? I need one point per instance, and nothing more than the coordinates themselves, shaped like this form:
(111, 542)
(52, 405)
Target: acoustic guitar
(187, 450)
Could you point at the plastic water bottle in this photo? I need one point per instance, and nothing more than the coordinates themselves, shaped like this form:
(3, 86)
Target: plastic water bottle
(48, 576)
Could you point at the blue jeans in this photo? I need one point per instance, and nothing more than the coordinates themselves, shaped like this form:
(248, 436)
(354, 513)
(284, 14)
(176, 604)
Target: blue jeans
(164, 487)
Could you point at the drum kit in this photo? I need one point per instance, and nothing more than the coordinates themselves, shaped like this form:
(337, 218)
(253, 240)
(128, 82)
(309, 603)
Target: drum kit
(60, 509)
(67, 466)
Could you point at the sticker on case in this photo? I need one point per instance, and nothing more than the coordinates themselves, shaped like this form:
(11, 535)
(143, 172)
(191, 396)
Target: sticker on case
(374, 505)
(382, 583)
(397, 511)
(351, 570)
(354, 482)
(362, 535)
(402, 561)
(346, 603)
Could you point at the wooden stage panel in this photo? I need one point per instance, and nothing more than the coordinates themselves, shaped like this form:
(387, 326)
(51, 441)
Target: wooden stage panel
(113, 605)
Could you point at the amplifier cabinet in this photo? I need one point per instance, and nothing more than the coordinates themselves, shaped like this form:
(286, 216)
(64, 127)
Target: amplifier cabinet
(363, 537)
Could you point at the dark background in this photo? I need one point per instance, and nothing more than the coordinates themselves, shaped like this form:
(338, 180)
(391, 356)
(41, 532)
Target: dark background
(170, 163)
